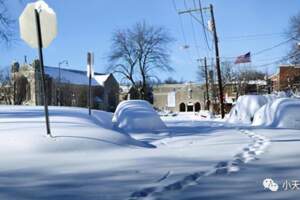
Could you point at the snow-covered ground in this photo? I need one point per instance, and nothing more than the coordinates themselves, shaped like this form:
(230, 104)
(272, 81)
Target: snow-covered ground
(89, 158)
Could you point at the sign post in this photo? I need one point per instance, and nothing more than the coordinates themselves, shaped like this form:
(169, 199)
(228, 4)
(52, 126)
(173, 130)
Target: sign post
(38, 29)
(90, 74)
(40, 49)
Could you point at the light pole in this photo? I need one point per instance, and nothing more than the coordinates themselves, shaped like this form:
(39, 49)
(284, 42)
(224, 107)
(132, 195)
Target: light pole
(59, 80)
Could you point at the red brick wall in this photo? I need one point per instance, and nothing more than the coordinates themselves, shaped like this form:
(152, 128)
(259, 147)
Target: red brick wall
(287, 75)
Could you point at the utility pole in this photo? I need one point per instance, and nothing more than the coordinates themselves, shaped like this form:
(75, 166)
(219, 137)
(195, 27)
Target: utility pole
(206, 96)
(221, 96)
(214, 30)
(206, 84)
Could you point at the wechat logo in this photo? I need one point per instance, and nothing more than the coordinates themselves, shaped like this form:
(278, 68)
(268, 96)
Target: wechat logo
(268, 183)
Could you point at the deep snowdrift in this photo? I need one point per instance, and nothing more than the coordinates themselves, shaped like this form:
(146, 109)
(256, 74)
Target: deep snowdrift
(137, 116)
(245, 108)
(86, 160)
(282, 113)
(23, 128)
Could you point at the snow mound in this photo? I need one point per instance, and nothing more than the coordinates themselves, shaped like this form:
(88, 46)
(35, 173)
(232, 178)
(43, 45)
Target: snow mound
(103, 118)
(137, 116)
(245, 108)
(23, 129)
(282, 113)
(206, 114)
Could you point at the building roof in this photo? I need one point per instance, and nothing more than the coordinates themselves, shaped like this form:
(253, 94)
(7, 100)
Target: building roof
(290, 65)
(257, 82)
(125, 88)
(77, 77)
(178, 85)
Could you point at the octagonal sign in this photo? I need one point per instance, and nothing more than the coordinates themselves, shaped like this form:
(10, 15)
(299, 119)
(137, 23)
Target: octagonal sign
(28, 27)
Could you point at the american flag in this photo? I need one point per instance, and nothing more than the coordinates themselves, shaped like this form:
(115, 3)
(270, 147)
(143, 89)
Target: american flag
(243, 58)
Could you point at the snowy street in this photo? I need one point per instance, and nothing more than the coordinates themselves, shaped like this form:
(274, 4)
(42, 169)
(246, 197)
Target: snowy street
(149, 100)
(88, 158)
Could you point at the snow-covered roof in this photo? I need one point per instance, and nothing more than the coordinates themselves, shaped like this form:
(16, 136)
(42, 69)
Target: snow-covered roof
(290, 65)
(257, 82)
(100, 79)
(77, 77)
(250, 82)
(125, 88)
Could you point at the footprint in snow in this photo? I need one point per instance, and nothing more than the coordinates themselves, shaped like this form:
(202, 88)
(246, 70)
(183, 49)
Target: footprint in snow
(248, 154)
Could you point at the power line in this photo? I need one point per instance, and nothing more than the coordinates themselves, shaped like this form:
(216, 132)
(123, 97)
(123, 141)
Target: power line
(201, 21)
(203, 26)
(182, 30)
(273, 47)
(253, 36)
(195, 39)
(193, 32)
(280, 60)
(264, 50)
(181, 23)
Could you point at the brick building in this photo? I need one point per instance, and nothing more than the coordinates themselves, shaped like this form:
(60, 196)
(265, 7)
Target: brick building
(287, 78)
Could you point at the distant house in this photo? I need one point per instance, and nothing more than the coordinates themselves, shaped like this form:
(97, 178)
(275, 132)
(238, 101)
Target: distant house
(287, 78)
(233, 90)
(128, 92)
(66, 87)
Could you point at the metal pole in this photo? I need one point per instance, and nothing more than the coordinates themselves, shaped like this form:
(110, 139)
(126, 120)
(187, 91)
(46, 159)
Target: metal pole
(40, 49)
(217, 61)
(59, 85)
(206, 84)
(90, 92)
(89, 61)
(14, 99)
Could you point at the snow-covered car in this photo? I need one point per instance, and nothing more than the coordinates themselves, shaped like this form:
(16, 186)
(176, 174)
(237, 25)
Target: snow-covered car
(282, 113)
(137, 116)
(245, 108)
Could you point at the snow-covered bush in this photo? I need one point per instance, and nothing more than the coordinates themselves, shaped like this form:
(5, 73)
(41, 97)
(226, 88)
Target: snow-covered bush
(137, 116)
(282, 113)
(245, 108)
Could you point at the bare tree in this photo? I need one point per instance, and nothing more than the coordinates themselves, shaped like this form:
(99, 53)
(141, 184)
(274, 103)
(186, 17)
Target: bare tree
(123, 56)
(200, 73)
(171, 80)
(227, 69)
(6, 92)
(294, 33)
(138, 53)
(243, 77)
(228, 73)
(251, 75)
(4, 76)
(6, 24)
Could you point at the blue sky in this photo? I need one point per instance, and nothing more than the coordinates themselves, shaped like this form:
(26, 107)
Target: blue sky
(87, 25)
